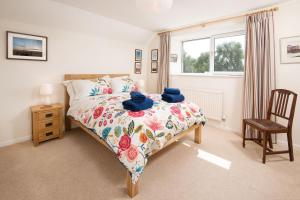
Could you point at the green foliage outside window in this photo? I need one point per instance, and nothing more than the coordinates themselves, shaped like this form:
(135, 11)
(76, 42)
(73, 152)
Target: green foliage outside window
(229, 57)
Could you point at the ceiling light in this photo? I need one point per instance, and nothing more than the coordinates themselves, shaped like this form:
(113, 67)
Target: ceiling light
(154, 6)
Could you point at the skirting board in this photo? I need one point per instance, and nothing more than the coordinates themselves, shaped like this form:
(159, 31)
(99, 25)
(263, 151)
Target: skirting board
(297, 146)
(14, 141)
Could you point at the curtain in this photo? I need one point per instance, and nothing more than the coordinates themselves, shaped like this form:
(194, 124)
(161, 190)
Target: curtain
(163, 70)
(259, 65)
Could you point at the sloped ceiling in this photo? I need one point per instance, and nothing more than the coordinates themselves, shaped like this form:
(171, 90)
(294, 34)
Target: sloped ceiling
(53, 14)
(183, 12)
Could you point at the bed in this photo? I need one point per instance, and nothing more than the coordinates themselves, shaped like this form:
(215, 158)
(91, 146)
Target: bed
(132, 136)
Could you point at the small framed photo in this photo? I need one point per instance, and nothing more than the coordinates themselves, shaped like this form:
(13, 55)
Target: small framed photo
(138, 55)
(154, 67)
(173, 58)
(23, 46)
(154, 55)
(137, 67)
(290, 50)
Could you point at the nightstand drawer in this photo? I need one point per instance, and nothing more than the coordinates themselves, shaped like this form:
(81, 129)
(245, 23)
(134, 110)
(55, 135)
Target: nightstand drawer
(48, 114)
(48, 124)
(46, 135)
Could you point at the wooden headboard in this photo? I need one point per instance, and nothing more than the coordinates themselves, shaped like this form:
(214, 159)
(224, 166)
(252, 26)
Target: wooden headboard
(83, 77)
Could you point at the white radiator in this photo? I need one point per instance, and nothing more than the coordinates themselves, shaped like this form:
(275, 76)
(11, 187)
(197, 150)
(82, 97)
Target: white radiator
(209, 100)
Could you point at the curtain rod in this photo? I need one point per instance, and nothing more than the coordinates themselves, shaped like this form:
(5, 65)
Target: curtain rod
(220, 20)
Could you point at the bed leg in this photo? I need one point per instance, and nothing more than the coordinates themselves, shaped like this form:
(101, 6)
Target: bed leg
(198, 131)
(67, 124)
(132, 189)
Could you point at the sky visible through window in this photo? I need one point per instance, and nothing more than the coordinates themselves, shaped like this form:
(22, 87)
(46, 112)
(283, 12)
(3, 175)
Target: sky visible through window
(228, 52)
(194, 48)
(239, 38)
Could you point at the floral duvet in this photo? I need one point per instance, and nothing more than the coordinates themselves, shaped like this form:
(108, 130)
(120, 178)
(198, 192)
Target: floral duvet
(134, 135)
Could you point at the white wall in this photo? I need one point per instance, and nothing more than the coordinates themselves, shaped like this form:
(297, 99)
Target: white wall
(286, 25)
(152, 77)
(91, 45)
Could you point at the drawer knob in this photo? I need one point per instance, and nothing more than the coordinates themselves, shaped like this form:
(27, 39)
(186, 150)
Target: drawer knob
(49, 124)
(49, 133)
(49, 115)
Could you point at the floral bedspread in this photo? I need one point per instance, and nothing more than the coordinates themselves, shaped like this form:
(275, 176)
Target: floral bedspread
(134, 135)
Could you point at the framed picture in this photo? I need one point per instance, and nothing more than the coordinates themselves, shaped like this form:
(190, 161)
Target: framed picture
(154, 67)
(290, 50)
(154, 55)
(173, 58)
(23, 46)
(137, 67)
(138, 55)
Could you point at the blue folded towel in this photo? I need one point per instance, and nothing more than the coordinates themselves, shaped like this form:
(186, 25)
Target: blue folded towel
(137, 97)
(171, 91)
(134, 106)
(172, 98)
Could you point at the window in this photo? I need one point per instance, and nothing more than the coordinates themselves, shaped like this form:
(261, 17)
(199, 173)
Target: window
(196, 56)
(217, 54)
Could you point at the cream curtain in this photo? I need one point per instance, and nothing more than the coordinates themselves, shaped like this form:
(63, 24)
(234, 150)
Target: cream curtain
(163, 70)
(260, 65)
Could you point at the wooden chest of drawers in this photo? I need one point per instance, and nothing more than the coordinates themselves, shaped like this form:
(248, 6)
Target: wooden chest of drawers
(46, 122)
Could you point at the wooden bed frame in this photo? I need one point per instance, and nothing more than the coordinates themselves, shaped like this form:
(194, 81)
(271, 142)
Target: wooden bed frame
(69, 121)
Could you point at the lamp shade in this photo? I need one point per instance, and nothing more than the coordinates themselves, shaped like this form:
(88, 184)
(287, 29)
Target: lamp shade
(154, 6)
(46, 89)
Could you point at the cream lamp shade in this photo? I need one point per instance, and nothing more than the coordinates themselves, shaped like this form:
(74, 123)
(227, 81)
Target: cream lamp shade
(154, 6)
(46, 90)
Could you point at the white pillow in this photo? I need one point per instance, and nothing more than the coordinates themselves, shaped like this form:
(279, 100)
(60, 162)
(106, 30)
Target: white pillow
(85, 88)
(70, 90)
(123, 84)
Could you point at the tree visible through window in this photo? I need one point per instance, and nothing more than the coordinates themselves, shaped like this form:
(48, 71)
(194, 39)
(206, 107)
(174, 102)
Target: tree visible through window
(196, 55)
(228, 54)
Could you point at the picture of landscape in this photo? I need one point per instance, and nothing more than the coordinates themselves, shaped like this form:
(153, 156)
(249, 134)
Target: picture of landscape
(22, 46)
(293, 50)
(290, 50)
(27, 47)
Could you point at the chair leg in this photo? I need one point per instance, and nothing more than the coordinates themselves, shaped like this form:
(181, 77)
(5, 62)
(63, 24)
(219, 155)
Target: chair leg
(265, 135)
(244, 133)
(270, 141)
(259, 136)
(290, 144)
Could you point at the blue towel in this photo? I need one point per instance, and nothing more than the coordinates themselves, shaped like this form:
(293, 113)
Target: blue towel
(171, 91)
(172, 98)
(134, 106)
(137, 97)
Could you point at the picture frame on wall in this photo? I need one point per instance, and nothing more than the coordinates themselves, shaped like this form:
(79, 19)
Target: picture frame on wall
(138, 55)
(154, 55)
(22, 46)
(173, 58)
(154, 67)
(290, 50)
(137, 67)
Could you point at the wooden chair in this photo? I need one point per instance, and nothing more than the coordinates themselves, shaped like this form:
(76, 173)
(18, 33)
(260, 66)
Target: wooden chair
(280, 97)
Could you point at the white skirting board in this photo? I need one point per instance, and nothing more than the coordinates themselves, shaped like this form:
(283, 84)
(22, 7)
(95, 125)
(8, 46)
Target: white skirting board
(16, 140)
(297, 146)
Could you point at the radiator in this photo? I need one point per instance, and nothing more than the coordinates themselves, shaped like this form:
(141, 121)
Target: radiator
(209, 100)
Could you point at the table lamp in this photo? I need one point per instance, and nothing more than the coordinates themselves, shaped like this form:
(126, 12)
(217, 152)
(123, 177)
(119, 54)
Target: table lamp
(46, 90)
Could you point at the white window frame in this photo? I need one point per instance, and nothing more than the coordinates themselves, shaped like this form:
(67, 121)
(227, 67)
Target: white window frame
(212, 55)
(204, 38)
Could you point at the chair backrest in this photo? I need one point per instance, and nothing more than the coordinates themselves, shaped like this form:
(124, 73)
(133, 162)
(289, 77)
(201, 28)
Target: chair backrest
(280, 97)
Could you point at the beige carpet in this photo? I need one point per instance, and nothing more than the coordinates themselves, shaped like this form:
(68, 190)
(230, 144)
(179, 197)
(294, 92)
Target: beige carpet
(77, 167)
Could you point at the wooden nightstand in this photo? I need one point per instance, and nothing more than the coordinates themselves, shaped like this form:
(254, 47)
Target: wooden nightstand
(46, 122)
